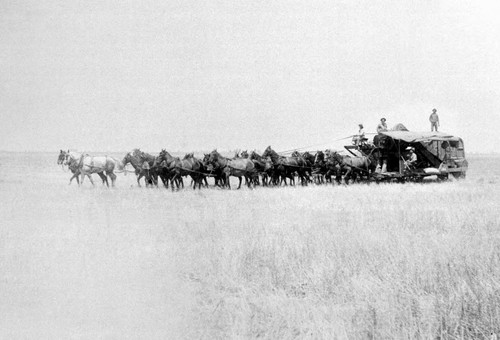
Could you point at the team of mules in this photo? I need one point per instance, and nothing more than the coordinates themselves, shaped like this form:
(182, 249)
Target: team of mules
(268, 169)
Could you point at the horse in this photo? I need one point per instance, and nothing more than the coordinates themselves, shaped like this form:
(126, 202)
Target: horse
(87, 165)
(233, 167)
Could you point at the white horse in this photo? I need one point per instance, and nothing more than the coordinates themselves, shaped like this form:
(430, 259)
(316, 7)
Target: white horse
(87, 165)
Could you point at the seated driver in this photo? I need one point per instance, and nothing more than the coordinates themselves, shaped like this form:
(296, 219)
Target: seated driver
(411, 158)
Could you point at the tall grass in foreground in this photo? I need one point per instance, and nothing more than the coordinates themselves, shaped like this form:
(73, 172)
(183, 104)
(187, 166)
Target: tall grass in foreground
(379, 261)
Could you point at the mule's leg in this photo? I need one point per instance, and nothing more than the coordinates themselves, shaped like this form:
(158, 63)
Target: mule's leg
(249, 180)
(103, 178)
(75, 175)
(89, 176)
(113, 178)
(173, 182)
(164, 180)
(347, 176)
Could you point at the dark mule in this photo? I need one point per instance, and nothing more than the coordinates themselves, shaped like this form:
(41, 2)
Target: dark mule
(216, 173)
(167, 169)
(191, 166)
(141, 163)
(333, 166)
(149, 163)
(263, 166)
(304, 165)
(286, 167)
(319, 169)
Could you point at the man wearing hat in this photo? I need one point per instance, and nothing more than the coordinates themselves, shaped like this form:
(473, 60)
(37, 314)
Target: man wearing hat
(382, 126)
(411, 160)
(434, 119)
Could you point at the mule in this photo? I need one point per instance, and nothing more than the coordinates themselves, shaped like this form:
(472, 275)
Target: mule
(357, 165)
(191, 166)
(167, 169)
(61, 160)
(286, 167)
(144, 164)
(241, 167)
(216, 173)
(87, 165)
(263, 166)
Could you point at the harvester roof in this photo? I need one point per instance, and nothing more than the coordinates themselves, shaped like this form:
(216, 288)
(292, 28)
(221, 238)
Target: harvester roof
(414, 137)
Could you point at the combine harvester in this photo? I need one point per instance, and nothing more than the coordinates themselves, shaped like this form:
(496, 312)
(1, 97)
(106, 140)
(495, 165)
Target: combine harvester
(438, 154)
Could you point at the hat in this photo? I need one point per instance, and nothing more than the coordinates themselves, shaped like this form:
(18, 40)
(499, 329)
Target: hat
(410, 148)
(383, 119)
(434, 110)
(360, 125)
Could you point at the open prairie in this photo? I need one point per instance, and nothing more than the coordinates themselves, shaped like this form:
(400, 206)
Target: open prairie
(348, 262)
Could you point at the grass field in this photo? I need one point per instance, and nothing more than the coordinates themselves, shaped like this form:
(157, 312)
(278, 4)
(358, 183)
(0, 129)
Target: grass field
(414, 261)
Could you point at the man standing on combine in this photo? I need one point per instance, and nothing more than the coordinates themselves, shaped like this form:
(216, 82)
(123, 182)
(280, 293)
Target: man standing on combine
(382, 126)
(434, 119)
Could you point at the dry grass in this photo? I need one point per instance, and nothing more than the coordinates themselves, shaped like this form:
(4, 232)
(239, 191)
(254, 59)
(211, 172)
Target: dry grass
(366, 261)
(387, 261)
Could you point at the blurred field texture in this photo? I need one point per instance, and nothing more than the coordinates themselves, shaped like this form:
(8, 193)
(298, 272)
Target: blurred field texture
(389, 261)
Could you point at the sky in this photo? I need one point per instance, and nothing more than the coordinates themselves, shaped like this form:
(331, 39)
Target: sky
(197, 75)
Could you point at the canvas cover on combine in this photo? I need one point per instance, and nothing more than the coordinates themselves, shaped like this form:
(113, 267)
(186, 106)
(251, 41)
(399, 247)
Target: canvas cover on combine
(440, 151)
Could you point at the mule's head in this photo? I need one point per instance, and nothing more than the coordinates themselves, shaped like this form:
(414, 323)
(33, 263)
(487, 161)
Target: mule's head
(319, 157)
(244, 154)
(213, 157)
(205, 162)
(163, 155)
(267, 152)
(127, 159)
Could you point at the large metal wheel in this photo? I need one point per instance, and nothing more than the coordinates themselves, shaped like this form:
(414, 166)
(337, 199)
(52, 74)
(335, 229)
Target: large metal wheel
(442, 177)
(459, 175)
